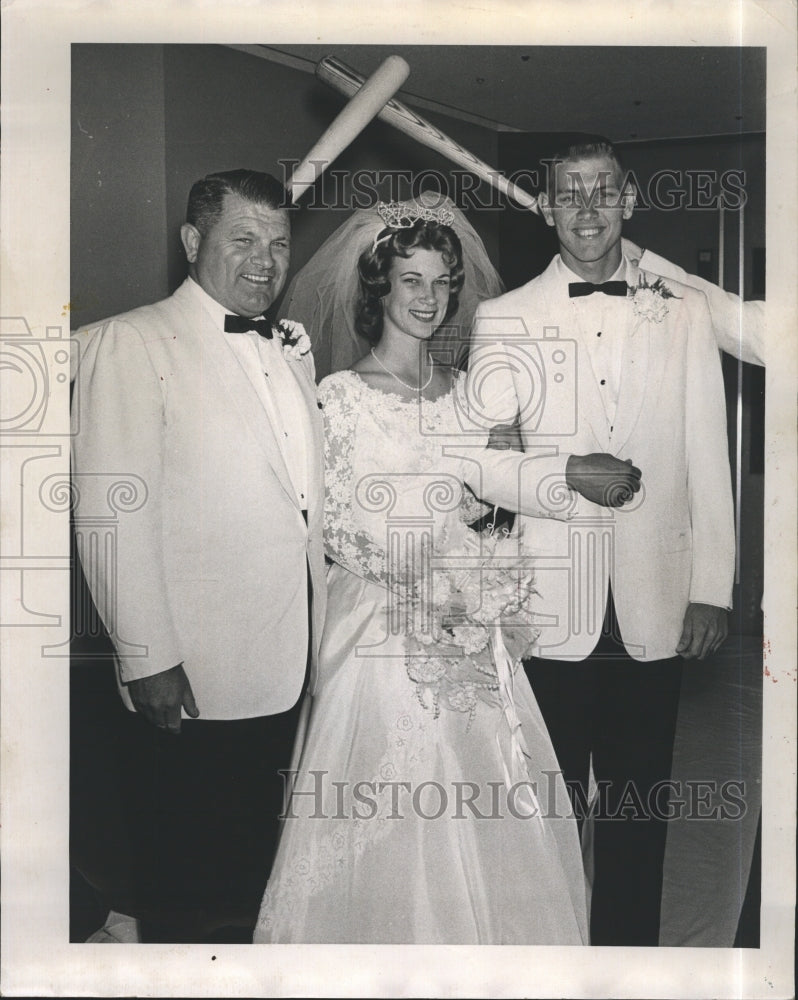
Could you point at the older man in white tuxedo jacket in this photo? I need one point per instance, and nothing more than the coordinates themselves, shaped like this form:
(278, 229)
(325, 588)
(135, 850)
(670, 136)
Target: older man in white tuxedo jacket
(214, 594)
(615, 376)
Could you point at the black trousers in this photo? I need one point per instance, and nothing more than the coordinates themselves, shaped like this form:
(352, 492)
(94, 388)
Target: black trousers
(217, 795)
(179, 831)
(622, 713)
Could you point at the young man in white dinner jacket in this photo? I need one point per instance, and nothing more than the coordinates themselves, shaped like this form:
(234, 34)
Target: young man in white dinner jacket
(615, 377)
(214, 593)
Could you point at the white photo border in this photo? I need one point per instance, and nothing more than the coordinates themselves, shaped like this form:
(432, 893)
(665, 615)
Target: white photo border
(36, 955)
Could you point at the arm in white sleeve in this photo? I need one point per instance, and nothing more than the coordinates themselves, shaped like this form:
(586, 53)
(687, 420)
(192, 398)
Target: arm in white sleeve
(708, 472)
(527, 484)
(118, 427)
(739, 327)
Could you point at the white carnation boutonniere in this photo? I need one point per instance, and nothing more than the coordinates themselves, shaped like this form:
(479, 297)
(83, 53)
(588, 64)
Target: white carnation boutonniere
(649, 299)
(295, 341)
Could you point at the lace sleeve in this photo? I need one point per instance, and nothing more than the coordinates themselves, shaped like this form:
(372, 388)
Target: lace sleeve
(340, 396)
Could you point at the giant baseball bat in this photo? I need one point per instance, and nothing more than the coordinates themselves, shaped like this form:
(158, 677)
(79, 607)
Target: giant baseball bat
(344, 79)
(370, 97)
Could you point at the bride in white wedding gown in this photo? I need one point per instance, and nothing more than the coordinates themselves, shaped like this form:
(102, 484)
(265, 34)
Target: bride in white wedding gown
(427, 804)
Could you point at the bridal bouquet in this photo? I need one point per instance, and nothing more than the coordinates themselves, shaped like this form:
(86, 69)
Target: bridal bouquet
(473, 587)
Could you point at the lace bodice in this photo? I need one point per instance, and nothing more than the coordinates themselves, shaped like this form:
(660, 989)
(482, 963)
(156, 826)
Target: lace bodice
(397, 514)
(391, 491)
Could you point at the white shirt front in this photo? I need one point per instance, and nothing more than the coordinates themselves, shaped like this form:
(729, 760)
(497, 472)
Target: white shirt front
(268, 370)
(603, 321)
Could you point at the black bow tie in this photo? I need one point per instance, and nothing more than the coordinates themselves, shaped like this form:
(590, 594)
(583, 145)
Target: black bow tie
(240, 324)
(578, 288)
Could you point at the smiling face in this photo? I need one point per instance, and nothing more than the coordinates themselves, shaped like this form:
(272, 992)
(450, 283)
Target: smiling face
(588, 209)
(242, 261)
(416, 304)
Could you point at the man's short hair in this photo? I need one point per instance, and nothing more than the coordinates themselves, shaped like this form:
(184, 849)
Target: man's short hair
(206, 197)
(578, 149)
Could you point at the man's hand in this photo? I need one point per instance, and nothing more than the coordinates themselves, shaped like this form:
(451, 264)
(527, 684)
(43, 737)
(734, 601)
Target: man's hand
(160, 697)
(603, 478)
(506, 437)
(705, 629)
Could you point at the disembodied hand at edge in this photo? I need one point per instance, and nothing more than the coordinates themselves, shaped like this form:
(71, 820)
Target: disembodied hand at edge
(603, 479)
(161, 697)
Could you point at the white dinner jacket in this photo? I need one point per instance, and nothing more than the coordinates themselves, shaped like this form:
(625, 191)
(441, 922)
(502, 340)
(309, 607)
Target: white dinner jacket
(675, 543)
(739, 326)
(202, 558)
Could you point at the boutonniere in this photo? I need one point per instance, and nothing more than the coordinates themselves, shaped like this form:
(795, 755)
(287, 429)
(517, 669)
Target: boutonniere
(296, 343)
(649, 299)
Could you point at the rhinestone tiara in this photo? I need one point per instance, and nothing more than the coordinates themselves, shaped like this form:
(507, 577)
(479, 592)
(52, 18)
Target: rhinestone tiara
(404, 214)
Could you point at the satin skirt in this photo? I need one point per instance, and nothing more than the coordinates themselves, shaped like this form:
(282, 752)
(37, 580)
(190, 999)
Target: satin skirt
(407, 822)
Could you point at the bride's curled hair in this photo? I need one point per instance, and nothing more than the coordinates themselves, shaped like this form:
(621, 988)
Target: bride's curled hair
(375, 264)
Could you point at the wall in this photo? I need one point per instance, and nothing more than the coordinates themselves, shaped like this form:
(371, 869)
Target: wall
(118, 197)
(226, 109)
(680, 233)
(149, 120)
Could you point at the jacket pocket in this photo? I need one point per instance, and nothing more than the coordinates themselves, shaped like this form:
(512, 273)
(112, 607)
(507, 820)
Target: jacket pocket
(677, 539)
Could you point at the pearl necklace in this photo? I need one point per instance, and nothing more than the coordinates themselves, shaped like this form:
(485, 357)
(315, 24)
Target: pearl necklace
(412, 388)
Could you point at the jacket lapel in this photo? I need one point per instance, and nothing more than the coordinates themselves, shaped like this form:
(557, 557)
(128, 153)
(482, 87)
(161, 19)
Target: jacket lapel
(301, 369)
(236, 383)
(635, 367)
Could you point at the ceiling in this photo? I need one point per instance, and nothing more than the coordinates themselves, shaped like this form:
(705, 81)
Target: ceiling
(624, 92)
